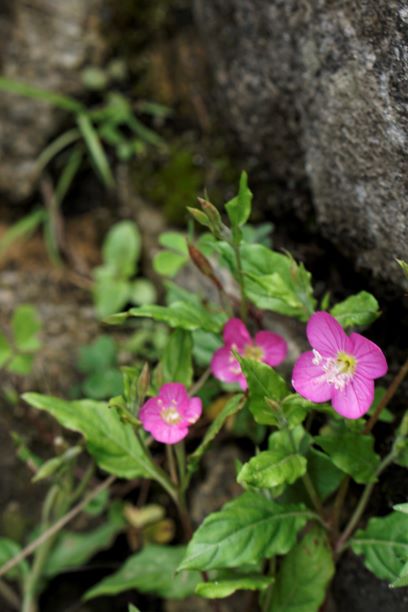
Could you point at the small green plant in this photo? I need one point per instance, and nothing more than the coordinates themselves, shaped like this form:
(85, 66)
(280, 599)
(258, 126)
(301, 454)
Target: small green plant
(20, 343)
(98, 362)
(115, 285)
(309, 435)
(114, 123)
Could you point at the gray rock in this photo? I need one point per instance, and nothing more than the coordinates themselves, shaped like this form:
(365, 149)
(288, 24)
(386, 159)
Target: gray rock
(318, 90)
(43, 43)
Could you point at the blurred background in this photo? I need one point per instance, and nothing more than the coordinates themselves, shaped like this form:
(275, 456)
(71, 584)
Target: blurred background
(114, 117)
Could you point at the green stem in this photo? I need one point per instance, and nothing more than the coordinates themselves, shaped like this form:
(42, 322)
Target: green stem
(181, 464)
(308, 483)
(362, 504)
(171, 465)
(243, 305)
(200, 382)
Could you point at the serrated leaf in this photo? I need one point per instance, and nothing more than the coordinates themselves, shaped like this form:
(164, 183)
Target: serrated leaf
(177, 359)
(223, 539)
(231, 407)
(357, 310)
(263, 382)
(183, 315)
(8, 550)
(26, 325)
(272, 468)
(274, 281)
(121, 248)
(72, 550)
(351, 452)
(239, 208)
(304, 575)
(151, 571)
(111, 442)
(225, 587)
(384, 545)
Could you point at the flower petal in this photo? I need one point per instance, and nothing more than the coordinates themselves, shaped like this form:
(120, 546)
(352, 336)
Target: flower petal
(274, 347)
(170, 434)
(236, 333)
(150, 414)
(224, 366)
(194, 410)
(371, 362)
(326, 335)
(309, 381)
(355, 399)
(174, 392)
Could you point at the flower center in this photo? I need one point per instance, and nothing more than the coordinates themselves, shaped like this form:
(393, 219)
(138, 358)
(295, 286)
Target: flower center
(337, 371)
(252, 351)
(347, 363)
(170, 415)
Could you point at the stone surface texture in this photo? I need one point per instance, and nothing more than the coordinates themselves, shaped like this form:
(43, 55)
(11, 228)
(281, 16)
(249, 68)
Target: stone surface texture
(43, 43)
(317, 90)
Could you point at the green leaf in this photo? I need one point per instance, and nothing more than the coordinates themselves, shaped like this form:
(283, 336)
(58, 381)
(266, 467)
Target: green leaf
(403, 265)
(272, 468)
(26, 325)
(183, 315)
(98, 356)
(304, 575)
(274, 281)
(103, 384)
(5, 350)
(402, 580)
(21, 364)
(22, 229)
(31, 91)
(384, 545)
(295, 408)
(357, 310)
(112, 443)
(245, 530)
(50, 467)
(133, 608)
(234, 405)
(96, 150)
(121, 248)
(263, 382)
(351, 452)
(401, 508)
(205, 345)
(110, 294)
(72, 550)
(142, 292)
(151, 571)
(225, 587)
(239, 208)
(8, 550)
(168, 263)
(175, 241)
(177, 359)
(98, 504)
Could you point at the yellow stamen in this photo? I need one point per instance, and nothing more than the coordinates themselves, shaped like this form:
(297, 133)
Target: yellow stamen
(170, 415)
(347, 363)
(253, 352)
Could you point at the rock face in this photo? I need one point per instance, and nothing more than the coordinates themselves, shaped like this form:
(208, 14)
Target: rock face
(318, 91)
(43, 43)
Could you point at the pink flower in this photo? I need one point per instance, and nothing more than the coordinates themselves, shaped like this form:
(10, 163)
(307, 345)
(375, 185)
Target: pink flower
(168, 416)
(266, 347)
(339, 368)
